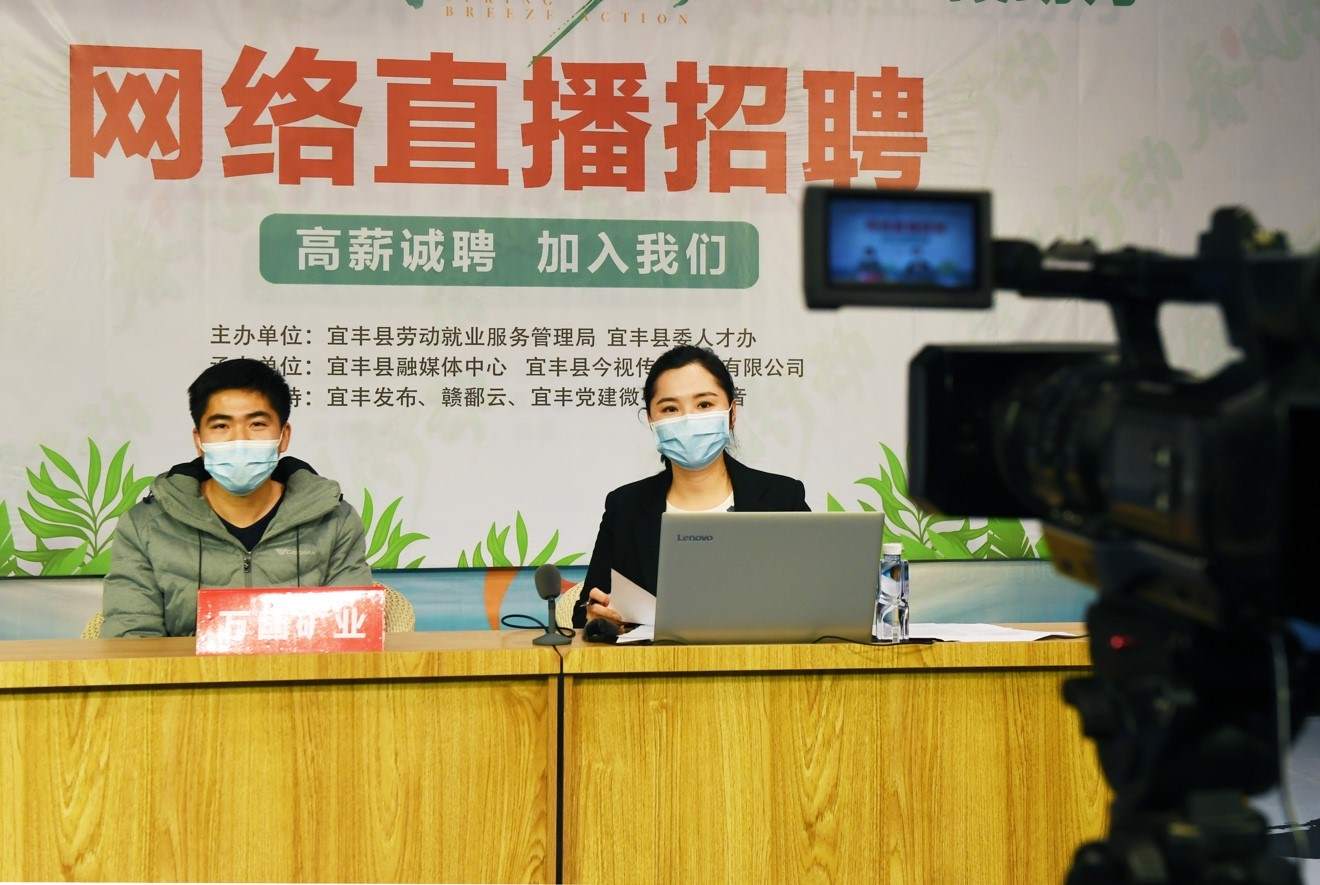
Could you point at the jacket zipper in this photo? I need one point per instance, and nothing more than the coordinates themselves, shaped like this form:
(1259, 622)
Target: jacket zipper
(247, 569)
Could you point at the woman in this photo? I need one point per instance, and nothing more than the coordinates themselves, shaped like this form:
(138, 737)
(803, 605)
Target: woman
(689, 398)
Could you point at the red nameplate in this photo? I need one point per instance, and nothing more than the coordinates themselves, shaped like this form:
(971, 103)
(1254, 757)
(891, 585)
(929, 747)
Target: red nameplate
(280, 620)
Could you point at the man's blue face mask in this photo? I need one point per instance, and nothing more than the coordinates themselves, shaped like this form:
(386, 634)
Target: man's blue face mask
(241, 465)
(692, 441)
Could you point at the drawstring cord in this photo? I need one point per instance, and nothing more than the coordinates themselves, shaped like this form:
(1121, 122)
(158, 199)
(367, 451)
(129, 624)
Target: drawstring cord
(199, 559)
(297, 552)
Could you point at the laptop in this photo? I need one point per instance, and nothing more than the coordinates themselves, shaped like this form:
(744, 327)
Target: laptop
(767, 577)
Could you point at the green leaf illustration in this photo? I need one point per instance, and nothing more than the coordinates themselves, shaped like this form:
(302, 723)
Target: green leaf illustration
(382, 532)
(114, 474)
(923, 536)
(366, 511)
(520, 534)
(496, 542)
(495, 547)
(896, 471)
(93, 469)
(547, 551)
(85, 513)
(62, 464)
(66, 562)
(8, 550)
(387, 538)
(97, 565)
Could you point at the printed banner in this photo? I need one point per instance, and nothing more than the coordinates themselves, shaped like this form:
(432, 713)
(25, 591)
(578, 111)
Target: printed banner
(464, 231)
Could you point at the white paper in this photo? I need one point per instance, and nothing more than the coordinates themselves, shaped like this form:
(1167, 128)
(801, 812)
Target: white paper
(979, 633)
(634, 604)
(640, 633)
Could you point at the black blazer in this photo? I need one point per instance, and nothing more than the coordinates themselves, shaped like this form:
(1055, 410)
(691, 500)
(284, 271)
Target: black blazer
(629, 538)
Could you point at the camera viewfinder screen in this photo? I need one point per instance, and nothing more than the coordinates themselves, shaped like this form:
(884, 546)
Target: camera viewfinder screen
(929, 244)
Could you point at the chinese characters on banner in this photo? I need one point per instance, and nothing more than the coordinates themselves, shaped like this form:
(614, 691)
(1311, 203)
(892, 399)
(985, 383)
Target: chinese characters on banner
(562, 252)
(297, 120)
(453, 367)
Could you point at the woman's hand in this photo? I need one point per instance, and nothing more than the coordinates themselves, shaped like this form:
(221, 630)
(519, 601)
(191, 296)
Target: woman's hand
(599, 607)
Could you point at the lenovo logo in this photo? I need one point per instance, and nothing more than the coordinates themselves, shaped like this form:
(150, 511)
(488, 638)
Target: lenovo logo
(696, 537)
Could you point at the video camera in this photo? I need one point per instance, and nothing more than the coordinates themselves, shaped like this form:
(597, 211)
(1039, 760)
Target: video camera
(1190, 503)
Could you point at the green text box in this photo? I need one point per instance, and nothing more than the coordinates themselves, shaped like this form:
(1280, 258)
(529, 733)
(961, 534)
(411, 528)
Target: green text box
(403, 250)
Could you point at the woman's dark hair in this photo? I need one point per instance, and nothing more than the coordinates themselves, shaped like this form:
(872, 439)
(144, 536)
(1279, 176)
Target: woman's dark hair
(240, 374)
(683, 355)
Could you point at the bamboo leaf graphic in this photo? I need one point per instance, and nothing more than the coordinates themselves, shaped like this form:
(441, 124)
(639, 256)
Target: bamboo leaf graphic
(520, 536)
(896, 472)
(114, 474)
(497, 540)
(390, 559)
(927, 536)
(387, 538)
(46, 531)
(948, 547)
(1010, 537)
(832, 504)
(93, 470)
(366, 512)
(495, 547)
(916, 551)
(547, 551)
(97, 565)
(132, 492)
(65, 562)
(8, 549)
(382, 532)
(57, 515)
(62, 464)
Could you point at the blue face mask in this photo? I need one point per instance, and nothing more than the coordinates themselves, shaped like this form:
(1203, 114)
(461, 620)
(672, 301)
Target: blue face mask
(692, 441)
(241, 465)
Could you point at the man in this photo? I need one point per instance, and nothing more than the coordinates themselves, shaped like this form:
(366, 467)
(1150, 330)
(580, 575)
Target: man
(238, 515)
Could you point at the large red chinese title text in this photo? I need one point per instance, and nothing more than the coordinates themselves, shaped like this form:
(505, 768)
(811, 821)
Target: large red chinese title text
(585, 124)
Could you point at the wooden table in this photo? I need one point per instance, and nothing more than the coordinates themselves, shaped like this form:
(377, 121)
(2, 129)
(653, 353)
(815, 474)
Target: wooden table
(949, 763)
(136, 760)
(436, 761)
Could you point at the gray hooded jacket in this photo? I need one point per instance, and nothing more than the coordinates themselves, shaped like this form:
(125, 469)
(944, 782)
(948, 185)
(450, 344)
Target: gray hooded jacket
(172, 543)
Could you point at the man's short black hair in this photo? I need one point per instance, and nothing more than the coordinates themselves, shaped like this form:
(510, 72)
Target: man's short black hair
(239, 374)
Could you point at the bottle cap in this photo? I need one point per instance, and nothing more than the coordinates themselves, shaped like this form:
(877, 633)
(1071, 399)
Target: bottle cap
(891, 548)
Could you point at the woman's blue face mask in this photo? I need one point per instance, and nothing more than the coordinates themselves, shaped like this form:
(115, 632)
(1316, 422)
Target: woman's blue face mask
(692, 441)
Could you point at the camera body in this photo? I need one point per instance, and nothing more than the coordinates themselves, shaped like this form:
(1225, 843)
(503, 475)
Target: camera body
(1104, 443)
(1189, 503)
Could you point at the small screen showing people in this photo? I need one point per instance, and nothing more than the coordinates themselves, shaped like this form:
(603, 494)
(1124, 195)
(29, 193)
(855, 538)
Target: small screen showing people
(877, 242)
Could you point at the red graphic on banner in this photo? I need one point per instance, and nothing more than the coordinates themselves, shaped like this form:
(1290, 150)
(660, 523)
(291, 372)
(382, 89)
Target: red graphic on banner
(466, 135)
(688, 93)
(604, 139)
(180, 88)
(304, 102)
(283, 620)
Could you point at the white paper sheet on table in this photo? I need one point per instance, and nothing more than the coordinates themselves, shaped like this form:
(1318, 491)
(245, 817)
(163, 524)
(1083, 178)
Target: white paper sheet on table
(631, 601)
(979, 633)
(640, 633)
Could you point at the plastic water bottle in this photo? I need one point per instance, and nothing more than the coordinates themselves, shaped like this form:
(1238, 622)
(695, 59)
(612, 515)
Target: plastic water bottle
(891, 599)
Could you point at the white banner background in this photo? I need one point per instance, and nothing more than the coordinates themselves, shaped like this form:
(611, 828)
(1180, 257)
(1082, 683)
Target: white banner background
(1069, 114)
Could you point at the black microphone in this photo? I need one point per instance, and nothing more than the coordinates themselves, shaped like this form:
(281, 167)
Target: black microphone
(548, 585)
